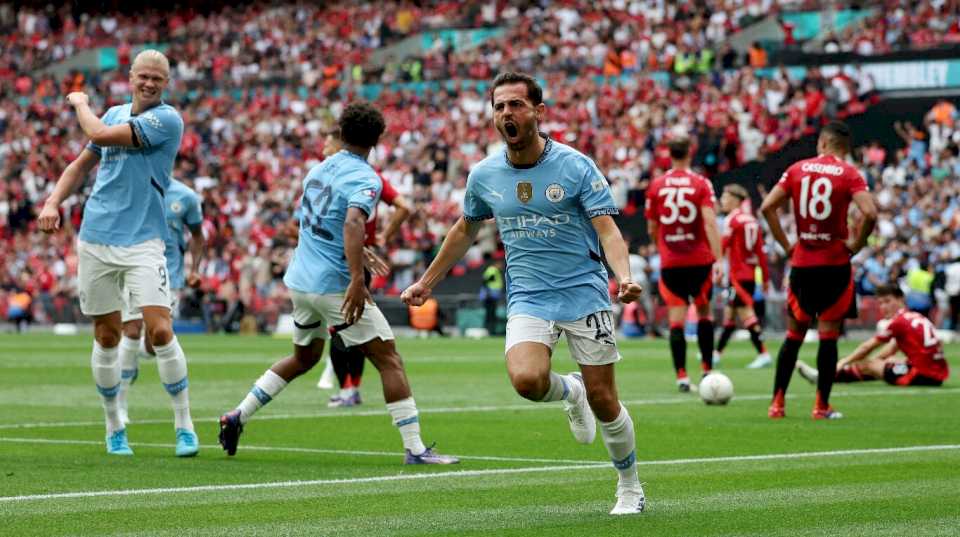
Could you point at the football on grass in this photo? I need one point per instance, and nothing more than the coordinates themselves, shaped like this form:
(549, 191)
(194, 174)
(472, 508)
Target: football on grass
(716, 389)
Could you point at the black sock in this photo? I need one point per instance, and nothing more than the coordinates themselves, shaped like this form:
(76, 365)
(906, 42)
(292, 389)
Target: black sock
(340, 359)
(786, 362)
(678, 349)
(725, 337)
(705, 342)
(827, 368)
(355, 365)
(756, 337)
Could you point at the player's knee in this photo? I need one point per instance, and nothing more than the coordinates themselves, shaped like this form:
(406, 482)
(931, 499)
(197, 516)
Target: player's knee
(305, 360)
(106, 335)
(529, 385)
(160, 335)
(602, 399)
(132, 330)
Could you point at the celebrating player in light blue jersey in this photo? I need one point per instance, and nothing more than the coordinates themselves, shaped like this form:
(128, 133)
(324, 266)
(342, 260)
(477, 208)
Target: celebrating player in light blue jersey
(183, 209)
(122, 237)
(553, 208)
(327, 286)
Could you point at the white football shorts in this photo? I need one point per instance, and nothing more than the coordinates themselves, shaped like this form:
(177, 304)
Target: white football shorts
(129, 313)
(107, 273)
(591, 338)
(314, 314)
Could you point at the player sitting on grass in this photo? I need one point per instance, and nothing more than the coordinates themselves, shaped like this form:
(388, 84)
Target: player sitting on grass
(900, 330)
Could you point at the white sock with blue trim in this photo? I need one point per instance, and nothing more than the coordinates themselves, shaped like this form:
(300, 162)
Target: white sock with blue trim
(563, 387)
(129, 369)
(407, 419)
(172, 367)
(621, 442)
(105, 364)
(264, 390)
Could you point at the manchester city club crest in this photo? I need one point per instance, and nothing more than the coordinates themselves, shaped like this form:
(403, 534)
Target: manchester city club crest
(176, 207)
(555, 192)
(524, 191)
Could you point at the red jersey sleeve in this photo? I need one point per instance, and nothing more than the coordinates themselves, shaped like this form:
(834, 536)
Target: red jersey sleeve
(784, 181)
(762, 258)
(855, 181)
(388, 194)
(885, 330)
(707, 199)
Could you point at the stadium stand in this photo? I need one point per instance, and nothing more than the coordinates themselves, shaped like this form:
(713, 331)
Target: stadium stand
(259, 88)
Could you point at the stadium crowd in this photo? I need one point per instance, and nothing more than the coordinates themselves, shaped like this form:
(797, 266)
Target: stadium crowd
(258, 103)
(898, 25)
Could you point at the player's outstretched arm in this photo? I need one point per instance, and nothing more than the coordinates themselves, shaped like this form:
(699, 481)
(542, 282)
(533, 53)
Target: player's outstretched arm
(72, 177)
(774, 200)
(868, 208)
(196, 254)
(862, 351)
(458, 240)
(357, 294)
(712, 231)
(615, 250)
(401, 211)
(99, 133)
(888, 351)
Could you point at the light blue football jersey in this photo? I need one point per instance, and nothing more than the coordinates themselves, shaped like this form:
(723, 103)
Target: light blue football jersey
(126, 205)
(554, 268)
(338, 183)
(183, 209)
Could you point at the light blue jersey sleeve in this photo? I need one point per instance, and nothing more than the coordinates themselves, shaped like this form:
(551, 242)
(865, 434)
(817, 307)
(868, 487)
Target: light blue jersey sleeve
(194, 214)
(595, 195)
(474, 208)
(364, 195)
(156, 126)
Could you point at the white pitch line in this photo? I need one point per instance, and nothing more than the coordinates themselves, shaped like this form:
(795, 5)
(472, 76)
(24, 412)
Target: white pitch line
(360, 453)
(522, 407)
(463, 473)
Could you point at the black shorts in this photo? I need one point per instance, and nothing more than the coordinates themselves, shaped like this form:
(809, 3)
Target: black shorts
(680, 286)
(903, 374)
(825, 293)
(741, 293)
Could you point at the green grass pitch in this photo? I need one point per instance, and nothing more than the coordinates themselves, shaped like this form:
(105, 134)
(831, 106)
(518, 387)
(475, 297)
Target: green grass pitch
(890, 468)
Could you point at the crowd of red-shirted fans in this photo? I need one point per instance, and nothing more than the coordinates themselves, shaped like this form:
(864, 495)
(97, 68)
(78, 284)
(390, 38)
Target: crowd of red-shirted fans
(897, 25)
(259, 88)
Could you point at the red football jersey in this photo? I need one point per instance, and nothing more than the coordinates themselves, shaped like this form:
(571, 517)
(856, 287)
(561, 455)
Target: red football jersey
(387, 195)
(743, 244)
(917, 338)
(821, 189)
(675, 200)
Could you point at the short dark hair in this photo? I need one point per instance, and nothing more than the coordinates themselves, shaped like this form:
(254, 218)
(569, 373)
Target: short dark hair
(361, 124)
(534, 91)
(736, 190)
(889, 289)
(679, 147)
(839, 133)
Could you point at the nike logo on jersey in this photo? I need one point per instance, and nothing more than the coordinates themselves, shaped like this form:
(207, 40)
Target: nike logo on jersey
(494, 193)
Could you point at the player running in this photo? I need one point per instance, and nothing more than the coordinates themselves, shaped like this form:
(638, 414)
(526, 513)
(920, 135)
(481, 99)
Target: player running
(183, 209)
(681, 216)
(553, 208)
(121, 239)
(326, 283)
(348, 362)
(900, 330)
(743, 246)
(821, 279)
